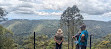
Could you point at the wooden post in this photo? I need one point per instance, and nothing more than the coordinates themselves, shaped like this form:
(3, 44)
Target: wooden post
(90, 41)
(34, 40)
(68, 34)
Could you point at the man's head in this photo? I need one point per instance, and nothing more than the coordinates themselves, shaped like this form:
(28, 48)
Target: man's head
(83, 27)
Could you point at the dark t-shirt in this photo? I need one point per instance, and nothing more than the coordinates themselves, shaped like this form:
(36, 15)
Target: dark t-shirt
(58, 37)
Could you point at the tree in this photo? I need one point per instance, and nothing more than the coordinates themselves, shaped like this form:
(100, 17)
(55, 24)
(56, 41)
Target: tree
(6, 41)
(72, 18)
(3, 13)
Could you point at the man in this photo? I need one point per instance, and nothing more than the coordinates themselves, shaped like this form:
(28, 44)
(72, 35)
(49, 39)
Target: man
(59, 39)
(82, 41)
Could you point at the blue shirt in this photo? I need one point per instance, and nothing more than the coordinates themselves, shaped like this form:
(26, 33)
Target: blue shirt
(85, 38)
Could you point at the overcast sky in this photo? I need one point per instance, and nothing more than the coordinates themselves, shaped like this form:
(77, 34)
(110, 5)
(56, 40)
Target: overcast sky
(52, 9)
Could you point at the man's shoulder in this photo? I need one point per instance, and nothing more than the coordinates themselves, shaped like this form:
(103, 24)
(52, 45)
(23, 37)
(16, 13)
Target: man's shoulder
(84, 31)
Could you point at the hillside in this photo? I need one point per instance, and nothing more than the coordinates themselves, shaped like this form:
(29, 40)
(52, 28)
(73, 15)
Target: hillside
(6, 41)
(104, 43)
(49, 27)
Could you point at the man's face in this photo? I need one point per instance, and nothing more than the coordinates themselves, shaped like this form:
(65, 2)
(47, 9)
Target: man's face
(82, 28)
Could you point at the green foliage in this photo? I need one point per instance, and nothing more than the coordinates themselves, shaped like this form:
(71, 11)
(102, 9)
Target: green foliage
(6, 41)
(104, 44)
(51, 44)
(41, 42)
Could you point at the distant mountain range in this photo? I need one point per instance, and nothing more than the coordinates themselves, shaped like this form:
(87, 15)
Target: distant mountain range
(49, 27)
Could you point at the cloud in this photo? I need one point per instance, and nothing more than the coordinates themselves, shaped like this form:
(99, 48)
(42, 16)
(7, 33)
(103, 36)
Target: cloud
(91, 7)
(107, 14)
(95, 7)
(56, 13)
(24, 8)
(49, 14)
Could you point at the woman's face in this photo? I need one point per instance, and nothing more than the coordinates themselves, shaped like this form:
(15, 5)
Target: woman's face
(59, 30)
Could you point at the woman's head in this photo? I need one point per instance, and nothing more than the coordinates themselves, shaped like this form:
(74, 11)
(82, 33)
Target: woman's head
(59, 31)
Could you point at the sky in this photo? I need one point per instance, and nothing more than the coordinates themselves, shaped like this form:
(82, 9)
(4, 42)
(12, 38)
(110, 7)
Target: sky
(52, 9)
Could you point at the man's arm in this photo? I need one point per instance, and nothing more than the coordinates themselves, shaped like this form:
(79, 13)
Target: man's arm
(82, 38)
(73, 36)
(77, 35)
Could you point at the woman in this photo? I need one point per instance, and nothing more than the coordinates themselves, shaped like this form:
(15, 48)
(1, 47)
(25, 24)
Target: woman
(59, 39)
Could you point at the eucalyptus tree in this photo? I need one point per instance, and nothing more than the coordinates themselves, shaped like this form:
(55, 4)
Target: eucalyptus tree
(71, 18)
(6, 40)
(3, 13)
